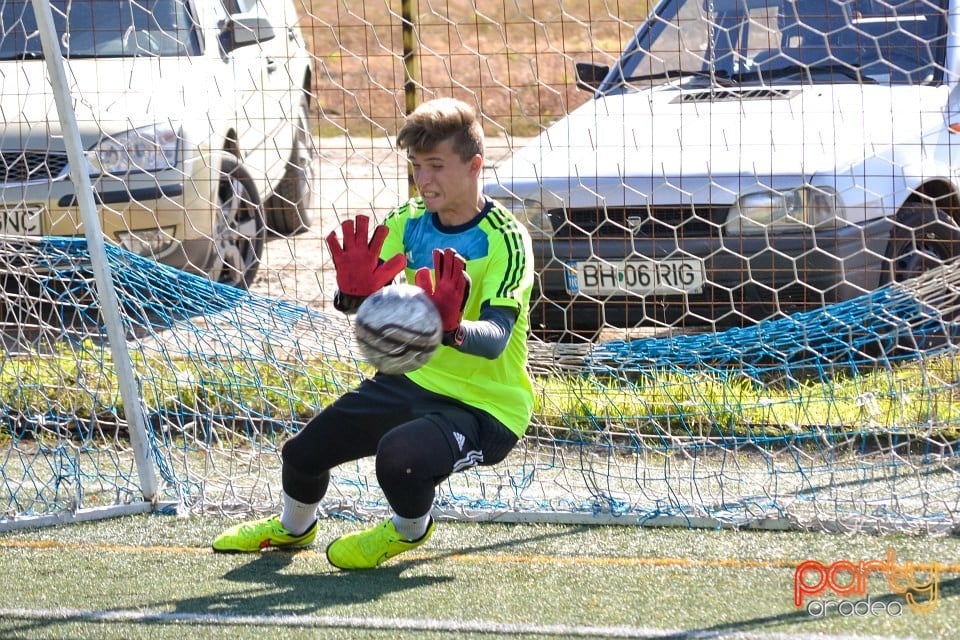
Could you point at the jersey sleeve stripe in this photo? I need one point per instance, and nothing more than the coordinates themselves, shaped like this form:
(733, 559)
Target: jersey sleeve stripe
(507, 228)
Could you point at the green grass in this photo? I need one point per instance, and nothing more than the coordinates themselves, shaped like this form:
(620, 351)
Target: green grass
(492, 579)
(901, 399)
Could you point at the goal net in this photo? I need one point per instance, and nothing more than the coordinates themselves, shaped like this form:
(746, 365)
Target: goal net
(835, 415)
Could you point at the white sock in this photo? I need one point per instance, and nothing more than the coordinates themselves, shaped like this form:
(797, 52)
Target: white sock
(411, 528)
(297, 516)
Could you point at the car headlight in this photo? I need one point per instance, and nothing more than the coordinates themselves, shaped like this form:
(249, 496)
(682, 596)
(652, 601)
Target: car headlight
(152, 243)
(151, 148)
(531, 213)
(791, 210)
(534, 216)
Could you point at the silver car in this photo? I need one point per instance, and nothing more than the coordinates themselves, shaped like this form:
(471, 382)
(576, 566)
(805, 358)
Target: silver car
(746, 159)
(194, 117)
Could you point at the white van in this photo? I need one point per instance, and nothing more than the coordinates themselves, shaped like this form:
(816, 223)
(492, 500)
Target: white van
(746, 159)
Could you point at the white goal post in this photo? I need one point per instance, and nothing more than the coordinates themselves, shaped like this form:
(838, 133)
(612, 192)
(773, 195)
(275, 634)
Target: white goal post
(103, 277)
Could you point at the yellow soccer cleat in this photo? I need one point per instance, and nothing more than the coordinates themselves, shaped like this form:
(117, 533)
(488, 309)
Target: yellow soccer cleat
(260, 534)
(368, 549)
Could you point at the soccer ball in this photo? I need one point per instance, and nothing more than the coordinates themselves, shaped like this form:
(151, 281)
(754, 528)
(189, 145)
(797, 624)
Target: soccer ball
(398, 328)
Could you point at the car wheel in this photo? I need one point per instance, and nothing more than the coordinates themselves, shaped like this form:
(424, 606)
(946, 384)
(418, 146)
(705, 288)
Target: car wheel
(239, 231)
(922, 239)
(288, 209)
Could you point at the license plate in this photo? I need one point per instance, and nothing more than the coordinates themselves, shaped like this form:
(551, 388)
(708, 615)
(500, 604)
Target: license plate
(20, 221)
(672, 276)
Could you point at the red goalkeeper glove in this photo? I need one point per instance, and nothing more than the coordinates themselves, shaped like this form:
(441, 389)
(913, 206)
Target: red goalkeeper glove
(450, 293)
(357, 262)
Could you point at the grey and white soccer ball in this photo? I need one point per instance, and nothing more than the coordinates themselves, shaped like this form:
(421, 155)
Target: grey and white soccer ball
(398, 328)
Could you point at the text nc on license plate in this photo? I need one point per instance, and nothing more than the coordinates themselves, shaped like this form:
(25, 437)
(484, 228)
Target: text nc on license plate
(20, 221)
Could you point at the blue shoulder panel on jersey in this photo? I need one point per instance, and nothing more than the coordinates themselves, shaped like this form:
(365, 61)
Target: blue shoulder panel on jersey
(421, 236)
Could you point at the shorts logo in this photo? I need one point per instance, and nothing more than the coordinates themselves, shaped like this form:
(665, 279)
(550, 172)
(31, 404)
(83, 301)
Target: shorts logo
(460, 439)
(471, 459)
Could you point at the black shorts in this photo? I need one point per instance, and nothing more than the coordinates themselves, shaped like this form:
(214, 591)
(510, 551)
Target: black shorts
(352, 426)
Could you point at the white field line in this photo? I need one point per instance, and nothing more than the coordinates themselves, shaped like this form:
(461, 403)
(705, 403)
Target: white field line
(407, 624)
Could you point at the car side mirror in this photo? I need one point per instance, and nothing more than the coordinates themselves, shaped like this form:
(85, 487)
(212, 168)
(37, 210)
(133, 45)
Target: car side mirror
(243, 29)
(590, 75)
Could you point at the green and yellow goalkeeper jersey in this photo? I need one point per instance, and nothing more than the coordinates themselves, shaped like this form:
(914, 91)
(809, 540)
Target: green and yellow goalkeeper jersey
(499, 261)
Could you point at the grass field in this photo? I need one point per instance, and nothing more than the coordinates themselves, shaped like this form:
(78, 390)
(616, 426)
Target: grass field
(155, 577)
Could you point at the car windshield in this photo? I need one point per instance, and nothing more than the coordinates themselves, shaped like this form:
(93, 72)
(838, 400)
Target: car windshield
(788, 41)
(101, 29)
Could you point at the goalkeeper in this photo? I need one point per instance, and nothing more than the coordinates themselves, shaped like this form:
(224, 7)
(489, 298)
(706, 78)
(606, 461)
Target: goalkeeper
(471, 403)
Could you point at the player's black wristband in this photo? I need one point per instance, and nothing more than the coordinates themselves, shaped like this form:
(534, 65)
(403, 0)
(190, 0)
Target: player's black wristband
(454, 338)
(347, 303)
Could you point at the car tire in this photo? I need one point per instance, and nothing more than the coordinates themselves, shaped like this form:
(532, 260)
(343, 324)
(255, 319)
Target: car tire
(239, 229)
(922, 239)
(288, 209)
